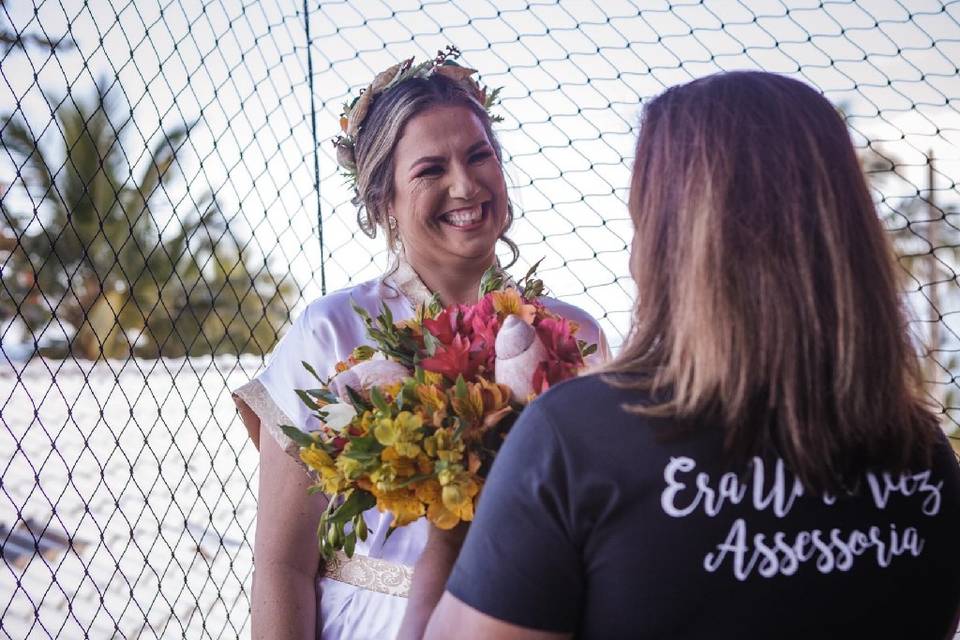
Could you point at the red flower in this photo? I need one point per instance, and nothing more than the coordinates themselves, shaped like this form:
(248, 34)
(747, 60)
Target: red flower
(453, 359)
(445, 326)
(559, 340)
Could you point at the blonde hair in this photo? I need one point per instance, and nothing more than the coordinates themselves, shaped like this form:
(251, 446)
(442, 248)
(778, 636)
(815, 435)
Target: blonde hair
(767, 297)
(378, 137)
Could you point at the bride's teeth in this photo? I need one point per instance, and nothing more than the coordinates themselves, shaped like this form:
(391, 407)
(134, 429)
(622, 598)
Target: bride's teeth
(463, 218)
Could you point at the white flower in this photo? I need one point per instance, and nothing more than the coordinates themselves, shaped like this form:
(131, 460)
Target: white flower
(339, 415)
(519, 351)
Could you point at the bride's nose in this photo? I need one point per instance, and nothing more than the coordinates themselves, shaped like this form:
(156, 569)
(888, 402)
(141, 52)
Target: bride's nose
(463, 185)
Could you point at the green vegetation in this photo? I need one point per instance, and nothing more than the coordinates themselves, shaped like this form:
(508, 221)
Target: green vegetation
(111, 243)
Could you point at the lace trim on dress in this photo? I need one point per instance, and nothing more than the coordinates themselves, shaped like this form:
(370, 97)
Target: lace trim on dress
(372, 574)
(407, 281)
(403, 278)
(271, 416)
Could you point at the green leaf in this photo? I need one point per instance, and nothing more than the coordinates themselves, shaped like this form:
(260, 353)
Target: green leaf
(349, 542)
(312, 371)
(358, 502)
(460, 388)
(306, 399)
(379, 401)
(360, 311)
(323, 394)
(434, 307)
(416, 478)
(532, 270)
(459, 428)
(357, 401)
(387, 315)
(363, 352)
(301, 438)
(492, 280)
(430, 342)
(360, 526)
(365, 445)
(585, 349)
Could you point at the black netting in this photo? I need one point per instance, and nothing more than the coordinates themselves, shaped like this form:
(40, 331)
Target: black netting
(169, 199)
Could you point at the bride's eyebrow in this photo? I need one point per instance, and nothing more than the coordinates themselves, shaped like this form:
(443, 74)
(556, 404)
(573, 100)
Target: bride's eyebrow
(476, 146)
(426, 160)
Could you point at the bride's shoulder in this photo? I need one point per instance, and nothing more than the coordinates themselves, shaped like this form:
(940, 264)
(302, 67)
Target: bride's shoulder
(339, 303)
(570, 312)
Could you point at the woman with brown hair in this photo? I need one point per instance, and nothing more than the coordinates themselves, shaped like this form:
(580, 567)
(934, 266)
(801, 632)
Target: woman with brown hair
(419, 146)
(759, 460)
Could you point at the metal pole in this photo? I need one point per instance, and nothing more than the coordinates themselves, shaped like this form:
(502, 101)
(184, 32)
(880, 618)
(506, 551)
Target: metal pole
(316, 146)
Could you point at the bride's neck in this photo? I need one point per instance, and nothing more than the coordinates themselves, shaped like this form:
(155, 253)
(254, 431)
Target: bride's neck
(454, 283)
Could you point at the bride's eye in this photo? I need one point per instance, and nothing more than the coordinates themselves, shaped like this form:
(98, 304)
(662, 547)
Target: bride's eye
(430, 171)
(480, 156)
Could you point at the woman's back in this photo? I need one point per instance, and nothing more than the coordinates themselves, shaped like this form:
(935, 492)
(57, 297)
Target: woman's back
(645, 537)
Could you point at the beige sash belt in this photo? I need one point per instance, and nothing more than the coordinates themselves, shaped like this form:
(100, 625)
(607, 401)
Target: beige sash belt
(372, 574)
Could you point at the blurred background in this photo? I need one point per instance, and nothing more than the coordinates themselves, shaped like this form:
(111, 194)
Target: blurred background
(169, 200)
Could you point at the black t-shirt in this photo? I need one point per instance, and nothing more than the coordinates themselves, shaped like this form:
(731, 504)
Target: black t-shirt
(591, 523)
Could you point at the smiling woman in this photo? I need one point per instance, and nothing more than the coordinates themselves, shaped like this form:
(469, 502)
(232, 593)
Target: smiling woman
(450, 200)
(420, 148)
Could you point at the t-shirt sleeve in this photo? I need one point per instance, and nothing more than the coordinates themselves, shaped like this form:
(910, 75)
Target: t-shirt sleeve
(520, 562)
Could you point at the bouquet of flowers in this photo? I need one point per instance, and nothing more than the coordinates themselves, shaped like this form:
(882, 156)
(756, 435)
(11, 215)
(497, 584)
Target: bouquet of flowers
(411, 425)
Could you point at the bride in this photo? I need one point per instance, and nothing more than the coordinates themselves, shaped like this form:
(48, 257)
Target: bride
(427, 167)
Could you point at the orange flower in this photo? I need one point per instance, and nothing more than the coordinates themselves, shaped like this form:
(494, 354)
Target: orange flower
(509, 302)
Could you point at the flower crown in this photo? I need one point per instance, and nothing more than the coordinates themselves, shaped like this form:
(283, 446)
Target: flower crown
(356, 110)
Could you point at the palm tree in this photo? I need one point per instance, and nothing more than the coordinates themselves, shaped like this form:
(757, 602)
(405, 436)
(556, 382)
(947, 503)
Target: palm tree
(91, 254)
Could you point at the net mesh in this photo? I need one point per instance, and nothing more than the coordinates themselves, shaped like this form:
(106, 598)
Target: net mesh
(169, 199)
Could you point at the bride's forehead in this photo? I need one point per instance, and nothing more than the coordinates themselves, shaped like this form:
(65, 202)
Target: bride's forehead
(442, 127)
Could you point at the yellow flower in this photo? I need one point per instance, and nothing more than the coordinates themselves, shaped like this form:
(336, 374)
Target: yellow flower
(470, 408)
(349, 467)
(394, 468)
(431, 494)
(509, 301)
(442, 446)
(403, 504)
(432, 378)
(459, 490)
(402, 433)
(433, 401)
(366, 422)
(330, 477)
(442, 517)
(315, 457)
(414, 324)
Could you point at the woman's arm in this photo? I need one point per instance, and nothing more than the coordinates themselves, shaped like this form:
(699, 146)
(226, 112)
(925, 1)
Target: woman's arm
(286, 557)
(456, 619)
(429, 578)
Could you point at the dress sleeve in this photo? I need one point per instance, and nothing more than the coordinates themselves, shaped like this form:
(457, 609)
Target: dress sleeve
(520, 562)
(256, 397)
(271, 393)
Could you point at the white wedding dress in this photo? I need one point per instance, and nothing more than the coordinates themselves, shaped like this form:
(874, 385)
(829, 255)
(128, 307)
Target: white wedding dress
(363, 597)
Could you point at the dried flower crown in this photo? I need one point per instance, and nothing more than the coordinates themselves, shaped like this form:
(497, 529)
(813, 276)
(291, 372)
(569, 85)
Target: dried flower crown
(356, 110)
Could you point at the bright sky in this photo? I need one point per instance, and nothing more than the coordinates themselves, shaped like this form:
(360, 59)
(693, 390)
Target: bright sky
(573, 74)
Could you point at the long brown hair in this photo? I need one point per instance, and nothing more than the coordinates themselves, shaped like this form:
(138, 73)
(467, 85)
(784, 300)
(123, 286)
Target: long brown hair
(767, 297)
